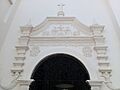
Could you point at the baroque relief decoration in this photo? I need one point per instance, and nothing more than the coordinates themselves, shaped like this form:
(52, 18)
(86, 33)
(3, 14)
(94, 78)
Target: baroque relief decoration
(63, 31)
(87, 51)
(34, 51)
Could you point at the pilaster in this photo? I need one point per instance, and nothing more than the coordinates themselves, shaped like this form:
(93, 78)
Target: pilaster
(21, 49)
(101, 51)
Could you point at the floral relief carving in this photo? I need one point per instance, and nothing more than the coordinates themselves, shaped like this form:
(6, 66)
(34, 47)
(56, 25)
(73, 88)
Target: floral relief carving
(34, 51)
(61, 30)
(87, 51)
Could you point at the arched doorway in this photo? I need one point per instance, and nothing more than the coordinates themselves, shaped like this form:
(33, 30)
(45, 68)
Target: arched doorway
(60, 72)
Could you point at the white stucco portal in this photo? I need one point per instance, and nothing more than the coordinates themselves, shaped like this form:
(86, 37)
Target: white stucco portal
(63, 35)
(88, 12)
(48, 52)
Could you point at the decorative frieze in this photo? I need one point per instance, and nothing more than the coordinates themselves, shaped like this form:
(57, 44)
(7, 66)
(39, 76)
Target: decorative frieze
(63, 41)
(34, 51)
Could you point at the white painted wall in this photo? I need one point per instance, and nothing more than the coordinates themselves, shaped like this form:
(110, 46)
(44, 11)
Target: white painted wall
(87, 11)
(7, 12)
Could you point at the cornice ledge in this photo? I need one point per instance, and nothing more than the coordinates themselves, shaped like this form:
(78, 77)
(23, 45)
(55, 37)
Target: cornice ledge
(95, 83)
(105, 69)
(100, 47)
(22, 47)
(23, 82)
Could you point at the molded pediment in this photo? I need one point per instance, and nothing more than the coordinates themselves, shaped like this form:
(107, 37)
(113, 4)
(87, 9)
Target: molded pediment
(61, 26)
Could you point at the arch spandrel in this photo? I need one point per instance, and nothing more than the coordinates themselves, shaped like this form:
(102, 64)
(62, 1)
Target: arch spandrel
(60, 70)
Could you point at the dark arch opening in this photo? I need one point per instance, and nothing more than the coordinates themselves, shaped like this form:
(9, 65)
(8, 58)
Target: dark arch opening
(60, 72)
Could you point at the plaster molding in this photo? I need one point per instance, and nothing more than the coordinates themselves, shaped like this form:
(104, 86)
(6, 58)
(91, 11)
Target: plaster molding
(92, 37)
(97, 29)
(18, 63)
(99, 40)
(96, 84)
(101, 51)
(26, 30)
(104, 63)
(16, 71)
(61, 41)
(34, 51)
(20, 58)
(21, 49)
(102, 57)
(87, 51)
(23, 82)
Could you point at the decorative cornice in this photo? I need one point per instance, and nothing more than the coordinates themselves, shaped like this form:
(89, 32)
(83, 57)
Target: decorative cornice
(105, 69)
(61, 40)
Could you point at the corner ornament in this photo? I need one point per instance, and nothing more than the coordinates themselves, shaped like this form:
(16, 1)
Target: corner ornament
(34, 51)
(87, 51)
